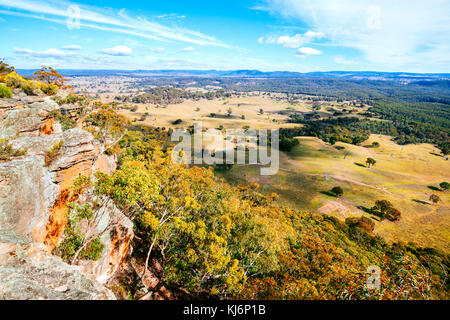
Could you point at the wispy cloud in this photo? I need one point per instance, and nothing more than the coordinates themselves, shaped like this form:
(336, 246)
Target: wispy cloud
(101, 19)
(295, 41)
(73, 47)
(49, 53)
(188, 49)
(117, 51)
(157, 50)
(171, 16)
(401, 34)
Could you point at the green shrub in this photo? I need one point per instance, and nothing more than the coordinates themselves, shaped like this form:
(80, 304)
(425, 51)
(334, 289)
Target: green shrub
(69, 246)
(337, 191)
(5, 92)
(70, 99)
(75, 239)
(65, 121)
(92, 251)
(7, 152)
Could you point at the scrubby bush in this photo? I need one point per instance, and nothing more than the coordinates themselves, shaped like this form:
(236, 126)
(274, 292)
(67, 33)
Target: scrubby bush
(445, 185)
(13, 80)
(363, 223)
(66, 122)
(53, 152)
(385, 210)
(71, 98)
(30, 87)
(337, 191)
(5, 92)
(49, 89)
(435, 198)
(7, 152)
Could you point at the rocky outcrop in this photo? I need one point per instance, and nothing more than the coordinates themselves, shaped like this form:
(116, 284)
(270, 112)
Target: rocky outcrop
(116, 241)
(29, 272)
(27, 193)
(34, 194)
(25, 116)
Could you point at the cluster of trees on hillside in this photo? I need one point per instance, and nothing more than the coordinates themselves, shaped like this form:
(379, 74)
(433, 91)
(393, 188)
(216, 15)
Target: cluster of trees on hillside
(345, 129)
(171, 95)
(356, 130)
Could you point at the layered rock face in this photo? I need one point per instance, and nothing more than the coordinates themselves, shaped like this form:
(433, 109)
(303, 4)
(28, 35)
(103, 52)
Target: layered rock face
(33, 206)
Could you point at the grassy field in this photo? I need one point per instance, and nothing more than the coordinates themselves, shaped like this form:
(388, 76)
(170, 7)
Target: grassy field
(249, 107)
(404, 175)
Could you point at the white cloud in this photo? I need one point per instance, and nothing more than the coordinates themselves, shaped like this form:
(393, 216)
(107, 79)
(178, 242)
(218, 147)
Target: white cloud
(305, 52)
(49, 53)
(295, 41)
(72, 47)
(171, 15)
(107, 20)
(391, 35)
(117, 51)
(23, 51)
(188, 49)
(157, 50)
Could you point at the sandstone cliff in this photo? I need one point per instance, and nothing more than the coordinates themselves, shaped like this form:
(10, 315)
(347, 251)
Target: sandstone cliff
(33, 205)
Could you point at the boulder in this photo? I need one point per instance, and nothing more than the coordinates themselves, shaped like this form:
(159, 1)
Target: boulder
(30, 273)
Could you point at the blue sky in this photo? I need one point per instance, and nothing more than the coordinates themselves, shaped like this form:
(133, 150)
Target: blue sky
(291, 35)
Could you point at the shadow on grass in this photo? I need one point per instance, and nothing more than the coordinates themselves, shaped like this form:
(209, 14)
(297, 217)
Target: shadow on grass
(435, 154)
(434, 188)
(421, 202)
(373, 214)
(328, 193)
(359, 164)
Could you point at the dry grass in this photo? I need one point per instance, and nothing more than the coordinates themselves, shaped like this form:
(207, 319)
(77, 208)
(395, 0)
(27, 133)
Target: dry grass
(249, 107)
(402, 175)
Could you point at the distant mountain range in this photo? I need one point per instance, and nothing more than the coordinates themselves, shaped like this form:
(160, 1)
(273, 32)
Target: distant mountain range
(349, 75)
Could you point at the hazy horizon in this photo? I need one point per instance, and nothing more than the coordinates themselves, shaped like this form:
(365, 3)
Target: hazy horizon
(266, 35)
